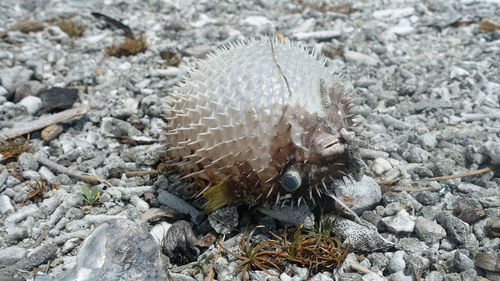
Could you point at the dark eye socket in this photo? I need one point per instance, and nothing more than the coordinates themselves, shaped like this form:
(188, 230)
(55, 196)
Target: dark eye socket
(291, 180)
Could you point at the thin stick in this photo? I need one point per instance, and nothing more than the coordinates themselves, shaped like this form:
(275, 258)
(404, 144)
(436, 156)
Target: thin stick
(461, 175)
(42, 122)
(466, 174)
(72, 173)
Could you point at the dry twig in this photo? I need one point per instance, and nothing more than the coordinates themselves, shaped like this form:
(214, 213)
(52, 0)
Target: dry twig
(72, 173)
(460, 175)
(42, 122)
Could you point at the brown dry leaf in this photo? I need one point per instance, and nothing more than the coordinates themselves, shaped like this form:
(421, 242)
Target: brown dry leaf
(493, 227)
(488, 261)
(27, 26)
(129, 47)
(488, 25)
(207, 240)
(71, 28)
(468, 213)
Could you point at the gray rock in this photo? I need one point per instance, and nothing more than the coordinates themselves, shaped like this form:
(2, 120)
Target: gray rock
(199, 51)
(452, 277)
(428, 230)
(323, 35)
(3, 92)
(22, 213)
(430, 104)
(4, 174)
(428, 140)
(144, 154)
(363, 195)
(118, 128)
(400, 276)
(285, 277)
(401, 222)
(28, 88)
(411, 245)
(179, 242)
(396, 263)
(300, 273)
(10, 77)
(32, 104)
(414, 154)
(434, 276)
(40, 256)
(113, 244)
(372, 277)
(391, 209)
(360, 58)
(363, 238)
(321, 277)
(10, 255)
(28, 162)
(403, 198)
(390, 121)
(261, 24)
(469, 274)
(380, 166)
(296, 215)
(492, 150)
(5, 204)
(490, 201)
(350, 277)
(181, 277)
(76, 225)
(378, 261)
(462, 262)
(224, 220)
(372, 154)
(391, 14)
(455, 228)
(468, 187)
(428, 198)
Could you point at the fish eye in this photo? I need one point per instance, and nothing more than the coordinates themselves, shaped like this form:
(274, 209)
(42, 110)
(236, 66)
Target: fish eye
(291, 180)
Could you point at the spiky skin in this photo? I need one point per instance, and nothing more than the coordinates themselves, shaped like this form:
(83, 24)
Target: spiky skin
(251, 111)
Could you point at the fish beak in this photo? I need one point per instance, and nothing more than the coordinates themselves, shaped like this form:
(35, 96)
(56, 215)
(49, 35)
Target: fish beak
(328, 145)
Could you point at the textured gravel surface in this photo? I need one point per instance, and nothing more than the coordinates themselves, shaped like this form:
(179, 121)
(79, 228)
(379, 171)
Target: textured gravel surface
(426, 75)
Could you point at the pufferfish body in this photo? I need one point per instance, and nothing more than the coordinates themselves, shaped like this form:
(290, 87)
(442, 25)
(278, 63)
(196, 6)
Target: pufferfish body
(261, 122)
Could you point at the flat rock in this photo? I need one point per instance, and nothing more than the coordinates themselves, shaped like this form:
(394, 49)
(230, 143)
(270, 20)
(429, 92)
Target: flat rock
(428, 230)
(363, 195)
(401, 222)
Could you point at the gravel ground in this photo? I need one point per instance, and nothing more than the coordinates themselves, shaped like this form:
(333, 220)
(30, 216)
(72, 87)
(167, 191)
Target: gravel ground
(427, 79)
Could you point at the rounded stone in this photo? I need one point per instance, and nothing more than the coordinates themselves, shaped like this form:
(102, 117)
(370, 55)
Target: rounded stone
(396, 263)
(462, 262)
(32, 104)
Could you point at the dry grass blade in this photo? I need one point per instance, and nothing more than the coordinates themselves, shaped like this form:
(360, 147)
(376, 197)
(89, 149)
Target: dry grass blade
(316, 249)
(40, 187)
(255, 256)
(10, 150)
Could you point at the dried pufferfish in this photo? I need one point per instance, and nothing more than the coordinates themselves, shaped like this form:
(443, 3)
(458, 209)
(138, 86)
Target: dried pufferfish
(261, 122)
